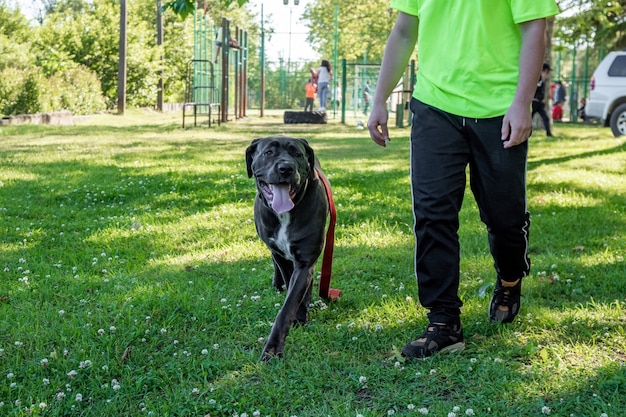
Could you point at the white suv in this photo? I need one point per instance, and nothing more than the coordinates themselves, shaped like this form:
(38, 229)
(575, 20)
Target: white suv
(607, 97)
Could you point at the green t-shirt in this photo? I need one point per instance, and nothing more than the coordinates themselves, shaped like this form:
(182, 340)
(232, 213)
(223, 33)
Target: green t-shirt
(468, 51)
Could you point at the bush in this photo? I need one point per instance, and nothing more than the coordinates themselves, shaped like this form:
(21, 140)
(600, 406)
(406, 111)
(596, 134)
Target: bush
(19, 91)
(77, 90)
(28, 91)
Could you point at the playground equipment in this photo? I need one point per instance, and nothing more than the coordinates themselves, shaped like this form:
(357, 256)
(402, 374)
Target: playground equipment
(217, 74)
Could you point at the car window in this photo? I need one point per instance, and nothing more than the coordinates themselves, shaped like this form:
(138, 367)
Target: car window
(618, 67)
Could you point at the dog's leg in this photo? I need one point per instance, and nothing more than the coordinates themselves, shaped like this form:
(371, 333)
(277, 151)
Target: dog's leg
(303, 311)
(283, 269)
(299, 284)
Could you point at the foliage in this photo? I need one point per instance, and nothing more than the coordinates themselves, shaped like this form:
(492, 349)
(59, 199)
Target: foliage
(363, 28)
(600, 23)
(28, 91)
(15, 38)
(184, 8)
(19, 91)
(76, 90)
(132, 281)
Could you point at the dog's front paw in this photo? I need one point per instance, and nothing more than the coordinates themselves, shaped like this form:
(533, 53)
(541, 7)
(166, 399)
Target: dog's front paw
(271, 353)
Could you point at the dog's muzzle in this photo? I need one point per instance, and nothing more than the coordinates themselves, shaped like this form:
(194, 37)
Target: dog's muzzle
(278, 196)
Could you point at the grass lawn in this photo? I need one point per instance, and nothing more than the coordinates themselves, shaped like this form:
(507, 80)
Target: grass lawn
(132, 282)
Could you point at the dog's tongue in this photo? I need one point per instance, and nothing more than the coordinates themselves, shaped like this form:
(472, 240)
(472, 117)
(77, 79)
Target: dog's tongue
(281, 202)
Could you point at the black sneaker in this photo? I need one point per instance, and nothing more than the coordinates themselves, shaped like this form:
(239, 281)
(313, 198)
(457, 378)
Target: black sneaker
(438, 337)
(505, 302)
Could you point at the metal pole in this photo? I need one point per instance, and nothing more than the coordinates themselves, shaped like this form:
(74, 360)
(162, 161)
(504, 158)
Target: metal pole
(159, 24)
(121, 68)
(262, 64)
(335, 52)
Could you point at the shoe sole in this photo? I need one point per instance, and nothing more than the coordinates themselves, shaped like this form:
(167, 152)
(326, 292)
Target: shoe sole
(455, 348)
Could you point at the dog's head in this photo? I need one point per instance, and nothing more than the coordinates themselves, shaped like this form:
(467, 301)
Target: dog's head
(281, 166)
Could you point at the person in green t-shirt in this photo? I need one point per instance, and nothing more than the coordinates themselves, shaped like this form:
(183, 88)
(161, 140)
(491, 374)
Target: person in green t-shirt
(478, 65)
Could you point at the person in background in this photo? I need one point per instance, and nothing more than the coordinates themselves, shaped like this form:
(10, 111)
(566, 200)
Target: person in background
(538, 104)
(467, 51)
(581, 109)
(309, 90)
(558, 101)
(324, 75)
(366, 98)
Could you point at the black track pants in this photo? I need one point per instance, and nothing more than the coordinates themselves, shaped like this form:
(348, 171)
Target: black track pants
(442, 146)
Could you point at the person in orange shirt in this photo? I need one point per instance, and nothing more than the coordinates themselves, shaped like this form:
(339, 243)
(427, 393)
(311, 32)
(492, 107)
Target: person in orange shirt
(310, 88)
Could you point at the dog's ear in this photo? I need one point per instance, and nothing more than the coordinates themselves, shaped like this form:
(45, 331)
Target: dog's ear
(310, 154)
(249, 152)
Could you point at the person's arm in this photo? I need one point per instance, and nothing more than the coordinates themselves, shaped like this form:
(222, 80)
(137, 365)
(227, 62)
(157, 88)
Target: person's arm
(517, 123)
(400, 46)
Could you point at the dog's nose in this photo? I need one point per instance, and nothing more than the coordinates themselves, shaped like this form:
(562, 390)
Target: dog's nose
(285, 168)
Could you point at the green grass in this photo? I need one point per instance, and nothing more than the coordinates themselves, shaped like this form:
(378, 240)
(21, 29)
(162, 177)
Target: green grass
(132, 281)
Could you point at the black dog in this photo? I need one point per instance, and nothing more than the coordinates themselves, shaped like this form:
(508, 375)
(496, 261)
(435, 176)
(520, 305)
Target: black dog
(290, 211)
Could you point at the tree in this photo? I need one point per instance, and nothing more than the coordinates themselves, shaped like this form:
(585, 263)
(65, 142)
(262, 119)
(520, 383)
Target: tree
(184, 8)
(362, 26)
(15, 38)
(601, 23)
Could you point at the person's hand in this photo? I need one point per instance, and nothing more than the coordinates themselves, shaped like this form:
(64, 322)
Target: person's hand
(377, 125)
(517, 125)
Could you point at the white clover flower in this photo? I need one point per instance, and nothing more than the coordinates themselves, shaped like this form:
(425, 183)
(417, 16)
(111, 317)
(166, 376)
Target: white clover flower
(72, 374)
(42, 405)
(60, 395)
(216, 346)
(205, 351)
(195, 391)
(451, 414)
(85, 364)
(112, 329)
(100, 332)
(546, 410)
(163, 331)
(410, 407)
(46, 381)
(212, 401)
(79, 398)
(391, 412)
(469, 412)
(423, 410)
(432, 372)
(456, 408)
(362, 380)
(10, 375)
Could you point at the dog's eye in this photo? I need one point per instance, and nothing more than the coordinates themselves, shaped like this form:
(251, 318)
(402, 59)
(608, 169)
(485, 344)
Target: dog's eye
(268, 152)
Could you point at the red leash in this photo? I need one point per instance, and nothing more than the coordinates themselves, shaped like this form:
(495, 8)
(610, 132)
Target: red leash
(327, 293)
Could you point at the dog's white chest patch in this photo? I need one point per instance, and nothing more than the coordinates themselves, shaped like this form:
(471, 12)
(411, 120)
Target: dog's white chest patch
(282, 238)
